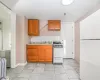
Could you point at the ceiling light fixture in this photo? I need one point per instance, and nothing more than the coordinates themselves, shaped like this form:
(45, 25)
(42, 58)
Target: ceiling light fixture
(67, 2)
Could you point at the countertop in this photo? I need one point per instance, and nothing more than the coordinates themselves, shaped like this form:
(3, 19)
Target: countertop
(39, 44)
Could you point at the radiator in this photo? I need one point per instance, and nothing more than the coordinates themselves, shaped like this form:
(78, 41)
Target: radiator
(2, 69)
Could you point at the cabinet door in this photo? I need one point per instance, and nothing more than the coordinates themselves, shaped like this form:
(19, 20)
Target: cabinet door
(30, 27)
(33, 27)
(48, 54)
(41, 54)
(32, 55)
(54, 25)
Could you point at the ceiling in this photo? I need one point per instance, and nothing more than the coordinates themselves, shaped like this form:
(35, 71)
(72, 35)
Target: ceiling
(52, 9)
(9, 3)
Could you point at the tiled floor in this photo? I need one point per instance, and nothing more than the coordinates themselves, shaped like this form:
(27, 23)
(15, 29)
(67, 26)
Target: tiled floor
(38, 71)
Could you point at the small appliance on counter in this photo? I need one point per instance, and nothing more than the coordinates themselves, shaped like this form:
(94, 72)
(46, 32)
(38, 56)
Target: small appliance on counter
(58, 52)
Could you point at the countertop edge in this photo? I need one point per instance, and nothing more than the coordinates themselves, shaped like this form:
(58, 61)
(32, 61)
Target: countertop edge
(39, 44)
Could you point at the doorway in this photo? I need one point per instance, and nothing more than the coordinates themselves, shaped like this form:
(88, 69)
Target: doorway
(1, 46)
(67, 34)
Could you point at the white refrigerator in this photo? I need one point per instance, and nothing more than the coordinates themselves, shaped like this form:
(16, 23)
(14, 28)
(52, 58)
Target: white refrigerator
(89, 52)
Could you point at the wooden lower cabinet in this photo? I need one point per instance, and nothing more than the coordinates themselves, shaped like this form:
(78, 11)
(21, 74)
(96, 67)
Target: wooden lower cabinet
(48, 54)
(40, 53)
(32, 54)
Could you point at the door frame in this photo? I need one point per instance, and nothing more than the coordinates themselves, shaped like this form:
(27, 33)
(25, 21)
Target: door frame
(13, 33)
(13, 40)
(1, 34)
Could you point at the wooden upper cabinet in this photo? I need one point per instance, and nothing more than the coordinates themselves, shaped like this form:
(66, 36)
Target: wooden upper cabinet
(54, 25)
(33, 27)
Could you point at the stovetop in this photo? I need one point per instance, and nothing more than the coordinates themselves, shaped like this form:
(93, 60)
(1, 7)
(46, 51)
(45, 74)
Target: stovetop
(57, 42)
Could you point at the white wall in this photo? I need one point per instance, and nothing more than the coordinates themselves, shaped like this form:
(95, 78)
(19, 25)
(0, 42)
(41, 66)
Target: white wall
(21, 39)
(90, 50)
(45, 38)
(77, 41)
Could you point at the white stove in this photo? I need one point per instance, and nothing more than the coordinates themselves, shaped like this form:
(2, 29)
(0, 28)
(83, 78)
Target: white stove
(58, 52)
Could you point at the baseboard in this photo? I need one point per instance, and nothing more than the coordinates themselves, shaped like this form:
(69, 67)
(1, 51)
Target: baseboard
(16, 65)
(67, 58)
(21, 64)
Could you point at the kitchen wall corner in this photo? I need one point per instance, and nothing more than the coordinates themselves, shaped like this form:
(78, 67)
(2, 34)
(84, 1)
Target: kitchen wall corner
(77, 41)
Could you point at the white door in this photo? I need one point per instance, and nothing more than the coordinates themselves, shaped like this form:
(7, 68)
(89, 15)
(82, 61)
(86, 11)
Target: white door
(67, 36)
(0, 38)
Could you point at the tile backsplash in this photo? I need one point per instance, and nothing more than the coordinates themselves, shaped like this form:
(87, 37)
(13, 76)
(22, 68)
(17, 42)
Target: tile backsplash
(44, 38)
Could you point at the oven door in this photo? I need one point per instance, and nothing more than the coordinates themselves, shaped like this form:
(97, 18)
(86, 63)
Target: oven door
(58, 52)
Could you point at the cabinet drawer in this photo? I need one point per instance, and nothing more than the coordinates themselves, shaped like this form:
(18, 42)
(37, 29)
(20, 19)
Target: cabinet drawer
(32, 52)
(45, 46)
(58, 60)
(32, 46)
